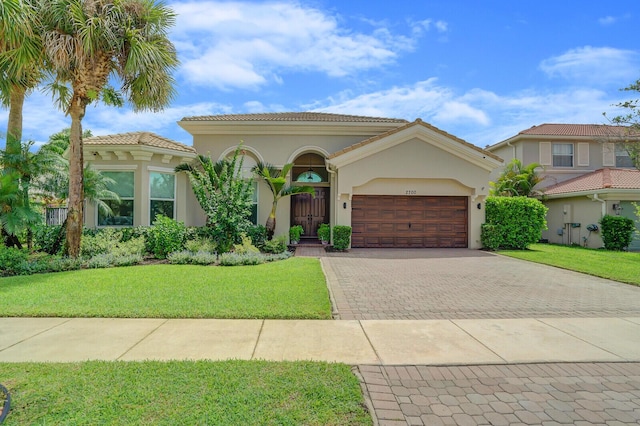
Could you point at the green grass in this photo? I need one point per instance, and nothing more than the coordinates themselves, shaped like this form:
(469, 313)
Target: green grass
(184, 393)
(293, 288)
(618, 266)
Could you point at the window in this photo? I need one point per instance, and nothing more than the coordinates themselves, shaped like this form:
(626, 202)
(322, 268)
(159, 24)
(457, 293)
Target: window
(122, 212)
(254, 206)
(161, 195)
(622, 157)
(562, 155)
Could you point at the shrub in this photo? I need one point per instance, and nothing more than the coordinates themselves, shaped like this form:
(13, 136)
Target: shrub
(276, 245)
(341, 237)
(324, 232)
(107, 260)
(110, 241)
(258, 235)
(516, 222)
(12, 260)
(617, 232)
(295, 232)
(185, 257)
(45, 238)
(166, 236)
(245, 247)
(198, 244)
(235, 259)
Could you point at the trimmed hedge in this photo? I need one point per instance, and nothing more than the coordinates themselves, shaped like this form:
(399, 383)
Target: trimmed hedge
(341, 237)
(617, 232)
(513, 222)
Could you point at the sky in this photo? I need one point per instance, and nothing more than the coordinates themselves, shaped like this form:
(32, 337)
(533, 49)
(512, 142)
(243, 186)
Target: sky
(480, 70)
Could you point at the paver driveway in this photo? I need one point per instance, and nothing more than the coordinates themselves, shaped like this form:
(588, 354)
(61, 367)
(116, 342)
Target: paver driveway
(461, 283)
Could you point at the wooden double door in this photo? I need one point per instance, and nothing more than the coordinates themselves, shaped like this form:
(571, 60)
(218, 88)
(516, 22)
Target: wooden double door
(310, 211)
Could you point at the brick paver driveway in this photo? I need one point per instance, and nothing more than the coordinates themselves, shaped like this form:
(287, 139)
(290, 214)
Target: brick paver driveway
(461, 283)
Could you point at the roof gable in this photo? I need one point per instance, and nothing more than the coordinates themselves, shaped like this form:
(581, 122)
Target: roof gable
(296, 117)
(136, 139)
(421, 130)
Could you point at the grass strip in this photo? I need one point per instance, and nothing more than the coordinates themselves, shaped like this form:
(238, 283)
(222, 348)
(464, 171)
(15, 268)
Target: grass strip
(613, 265)
(184, 392)
(293, 288)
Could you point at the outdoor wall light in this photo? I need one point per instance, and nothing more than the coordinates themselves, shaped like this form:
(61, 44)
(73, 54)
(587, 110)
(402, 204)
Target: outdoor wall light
(344, 205)
(479, 206)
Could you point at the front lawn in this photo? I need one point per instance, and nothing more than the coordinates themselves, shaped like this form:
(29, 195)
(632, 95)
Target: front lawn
(614, 265)
(293, 288)
(185, 393)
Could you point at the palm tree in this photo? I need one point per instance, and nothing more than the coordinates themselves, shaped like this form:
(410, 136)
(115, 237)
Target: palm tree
(21, 63)
(516, 180)
(89, 43)
(276, 180)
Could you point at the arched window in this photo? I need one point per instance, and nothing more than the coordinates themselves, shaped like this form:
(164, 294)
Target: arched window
(309, 176)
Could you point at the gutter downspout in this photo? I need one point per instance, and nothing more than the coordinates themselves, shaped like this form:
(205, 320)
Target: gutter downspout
(335, 207)
(604, 204)
(514, 148)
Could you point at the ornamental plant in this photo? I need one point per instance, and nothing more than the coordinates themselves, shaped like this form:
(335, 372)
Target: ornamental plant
(513, 222)
(617, 232)
(341, 237)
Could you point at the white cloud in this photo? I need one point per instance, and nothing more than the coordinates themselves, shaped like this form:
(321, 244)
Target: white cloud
(607, 20)
(594, 65)
(247, 44)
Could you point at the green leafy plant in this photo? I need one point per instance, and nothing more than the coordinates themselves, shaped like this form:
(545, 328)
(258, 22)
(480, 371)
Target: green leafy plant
(276, 245)
(617, 232)
(200, 244)
(12, 260)
(258, 235)
(516, 180)
(225, 196)
(294, 233)
(245, 247)
(186, 257)
(513, 222)
(324, 232)
(166, 236)
(341, 237)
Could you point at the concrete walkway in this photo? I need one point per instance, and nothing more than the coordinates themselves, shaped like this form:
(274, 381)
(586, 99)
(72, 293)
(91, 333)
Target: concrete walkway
(379, 342)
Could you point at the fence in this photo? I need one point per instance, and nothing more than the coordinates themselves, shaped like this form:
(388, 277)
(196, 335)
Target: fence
(55, 215)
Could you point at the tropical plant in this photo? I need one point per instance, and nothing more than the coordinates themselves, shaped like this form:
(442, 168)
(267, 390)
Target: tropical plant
(15, 215)
(516, 180)
(617, 232)
(324, 232)
(341, 237)
(91, 43)
(21, 63)
(276, 180)
(294, 233)
(224, 195)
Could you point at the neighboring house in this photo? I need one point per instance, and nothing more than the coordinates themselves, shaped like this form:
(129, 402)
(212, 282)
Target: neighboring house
(587, 174)
(397, 183)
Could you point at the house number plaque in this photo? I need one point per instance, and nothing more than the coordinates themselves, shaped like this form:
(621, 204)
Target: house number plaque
(410, 192)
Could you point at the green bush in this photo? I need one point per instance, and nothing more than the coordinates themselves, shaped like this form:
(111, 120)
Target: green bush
(166, 236)
(276, 245)
(12, 260)
(110, 241)
(245, 247)
(324, 232)
(235, 259)
(341, 237)
(45, 238)
(186, 257)
(513, 222)
(617, 232)
(295, 232)
(108, 260)
(198, 244)
(258, 235)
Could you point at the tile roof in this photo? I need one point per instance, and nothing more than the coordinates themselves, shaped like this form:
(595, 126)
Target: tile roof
(597, 180)
(406, 126)
(138, 138)
(575, 130)
(295, 116)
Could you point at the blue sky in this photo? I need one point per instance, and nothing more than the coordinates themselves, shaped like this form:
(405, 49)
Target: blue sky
(481, 70)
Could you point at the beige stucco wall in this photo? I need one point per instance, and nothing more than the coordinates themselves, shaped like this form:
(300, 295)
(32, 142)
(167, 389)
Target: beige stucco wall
(414, 167)
(582, 210)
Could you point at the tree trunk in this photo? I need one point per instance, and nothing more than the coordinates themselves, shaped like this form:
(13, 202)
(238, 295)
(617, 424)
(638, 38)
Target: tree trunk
(271, 222)
(14, 125)
(76, 183)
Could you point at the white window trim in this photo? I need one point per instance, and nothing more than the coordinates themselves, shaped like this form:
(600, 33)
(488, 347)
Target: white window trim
(175, 190)
(573, 155)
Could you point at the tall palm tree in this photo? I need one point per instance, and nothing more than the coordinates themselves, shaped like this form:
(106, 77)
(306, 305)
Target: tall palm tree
(276, 180)
(89, 43)
(21, 63)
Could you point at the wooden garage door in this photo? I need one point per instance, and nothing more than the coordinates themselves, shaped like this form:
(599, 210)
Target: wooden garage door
(399, 221)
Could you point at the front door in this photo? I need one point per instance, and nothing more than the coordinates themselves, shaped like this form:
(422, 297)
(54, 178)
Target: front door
(310, 211)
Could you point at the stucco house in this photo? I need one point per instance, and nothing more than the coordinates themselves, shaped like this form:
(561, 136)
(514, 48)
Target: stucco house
(396, 183)
(587, 174)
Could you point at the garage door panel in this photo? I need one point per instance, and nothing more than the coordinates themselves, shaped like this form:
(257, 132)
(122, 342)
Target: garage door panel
(401, 221)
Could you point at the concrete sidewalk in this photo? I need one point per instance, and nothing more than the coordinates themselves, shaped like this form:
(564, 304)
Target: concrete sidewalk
(374, 342)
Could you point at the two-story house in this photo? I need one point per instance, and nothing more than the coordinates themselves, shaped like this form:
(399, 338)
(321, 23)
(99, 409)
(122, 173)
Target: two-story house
(587, 174)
